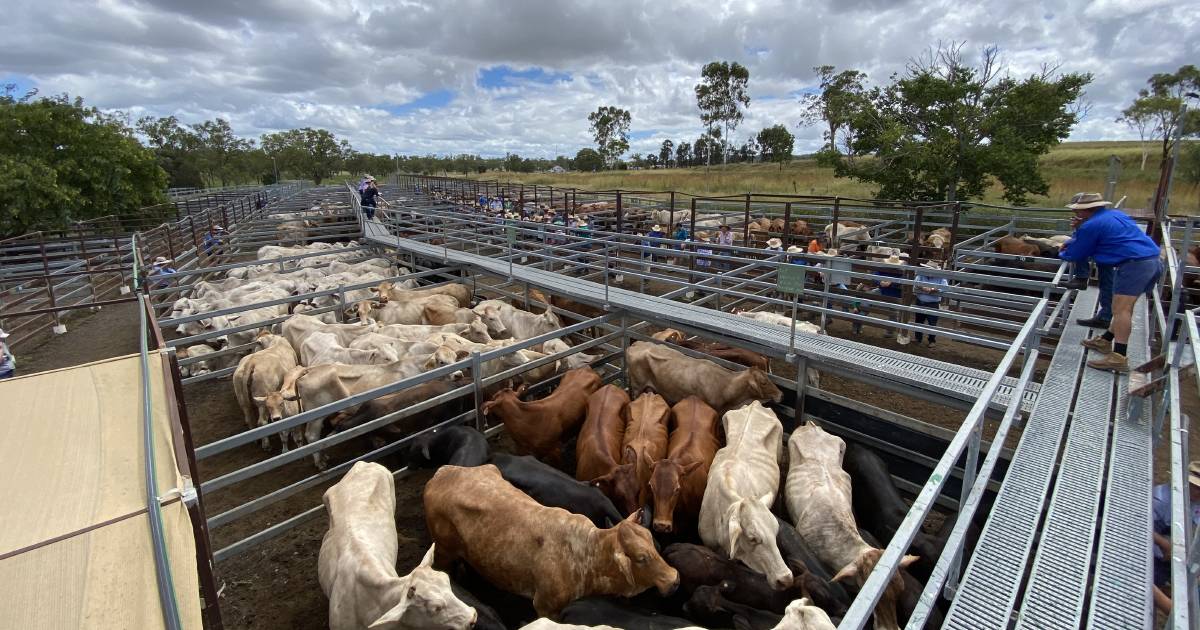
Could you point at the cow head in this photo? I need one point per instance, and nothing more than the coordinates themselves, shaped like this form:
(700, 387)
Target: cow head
(761, 386)
(665, 478)
(669, 335)
(860, 569)
(752, 532)
(276, 406)
(426, 601)
(476, 331)
(638, 564)
(490, 314)
(443, 356)
(621, 485)
(803, 615)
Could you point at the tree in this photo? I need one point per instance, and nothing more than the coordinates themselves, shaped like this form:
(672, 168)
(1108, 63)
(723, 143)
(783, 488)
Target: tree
(216, 150)
(666, 152)
(945, 129)
(1140, 119)
(312, 153)
(683, 154)
(636, 160)
(707, 146)
(588, 160)
(1161, 106)
(841, 95)
(62, 162)
(721, 94)
(610, 128)
(776, 143)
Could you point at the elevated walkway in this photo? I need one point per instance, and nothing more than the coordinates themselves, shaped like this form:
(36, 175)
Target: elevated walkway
(903, 371)
(76, 548)
(1075, 500)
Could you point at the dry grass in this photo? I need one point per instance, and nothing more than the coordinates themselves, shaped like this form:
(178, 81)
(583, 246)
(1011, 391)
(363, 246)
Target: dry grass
(1070, 168)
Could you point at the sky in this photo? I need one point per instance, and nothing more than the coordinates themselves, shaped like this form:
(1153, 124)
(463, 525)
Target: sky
(470, 76)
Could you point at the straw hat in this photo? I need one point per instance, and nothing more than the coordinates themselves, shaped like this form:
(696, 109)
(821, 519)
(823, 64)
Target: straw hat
(162, 260)
(1087, 201)
(894, 259)
(832, 251)
(582, 223)
(656, 228)
(796, 250)
(723, 227)
(774, 242)
(931, 264)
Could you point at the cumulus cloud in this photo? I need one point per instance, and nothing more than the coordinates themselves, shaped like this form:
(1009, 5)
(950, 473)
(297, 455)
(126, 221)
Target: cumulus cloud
(490, 77)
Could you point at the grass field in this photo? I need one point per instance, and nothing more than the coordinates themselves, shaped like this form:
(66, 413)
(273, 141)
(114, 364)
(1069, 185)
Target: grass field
(1070, 168)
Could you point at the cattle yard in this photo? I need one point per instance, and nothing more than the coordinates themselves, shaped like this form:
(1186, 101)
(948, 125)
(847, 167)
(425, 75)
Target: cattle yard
(1007, 454)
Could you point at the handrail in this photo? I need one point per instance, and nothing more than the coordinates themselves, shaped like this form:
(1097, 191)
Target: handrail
(872, 590)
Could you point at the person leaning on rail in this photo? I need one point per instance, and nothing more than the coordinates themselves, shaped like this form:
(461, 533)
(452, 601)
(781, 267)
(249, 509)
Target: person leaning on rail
(1112, 238)
(1080, 273)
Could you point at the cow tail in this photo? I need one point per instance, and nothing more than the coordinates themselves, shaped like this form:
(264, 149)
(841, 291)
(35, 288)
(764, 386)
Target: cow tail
(288, 389)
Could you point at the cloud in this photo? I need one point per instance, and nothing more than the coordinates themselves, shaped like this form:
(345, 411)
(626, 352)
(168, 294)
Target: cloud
(491, 77)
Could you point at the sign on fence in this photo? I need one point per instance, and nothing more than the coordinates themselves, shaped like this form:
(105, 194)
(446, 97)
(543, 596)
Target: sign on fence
(511, 233)
(790, 279)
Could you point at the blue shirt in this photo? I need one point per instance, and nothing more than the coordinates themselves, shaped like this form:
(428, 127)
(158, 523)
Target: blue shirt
(930, 298)
(1111, 237)
(895, 289)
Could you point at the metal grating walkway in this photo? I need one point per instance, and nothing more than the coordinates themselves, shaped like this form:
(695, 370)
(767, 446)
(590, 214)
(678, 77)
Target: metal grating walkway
(989, 586)
(946, 379)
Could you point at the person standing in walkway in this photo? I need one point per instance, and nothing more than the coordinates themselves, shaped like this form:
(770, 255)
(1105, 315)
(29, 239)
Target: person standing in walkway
(725, 239)
(370, 198)
(1112, 238)
(8, 363)
(929, 296)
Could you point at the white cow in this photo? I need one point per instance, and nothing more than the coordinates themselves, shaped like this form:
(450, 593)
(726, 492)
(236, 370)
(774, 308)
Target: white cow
(259, 376)
(781, 320)
(357, 563)
(802, 615)
(408, 312)
(207, 365)
(819, 501)
(577, 360)
(299, 326)
(735, 513)
(475, 331)
(321, 347)
(503, 318)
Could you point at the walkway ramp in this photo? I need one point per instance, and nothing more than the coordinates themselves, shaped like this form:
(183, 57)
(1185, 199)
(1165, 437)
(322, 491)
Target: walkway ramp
(75, 545)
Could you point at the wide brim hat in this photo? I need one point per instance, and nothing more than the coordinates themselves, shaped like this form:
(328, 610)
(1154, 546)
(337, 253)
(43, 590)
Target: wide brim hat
(656, 228)
(1193, 468)
(218, 227)
(796, 250)
(931, 264)
(894, 259)
(1087, 201)
(162, 260)
(723, 227)
(832, 251)
(774, 242)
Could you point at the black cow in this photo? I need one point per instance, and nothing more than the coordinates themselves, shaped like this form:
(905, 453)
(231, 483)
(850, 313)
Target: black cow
(815, 581)
(879, 508)
(600, 611)
(454, 446)
(488, 619)
(710, 606)
(700, 566)
(554, 488)
(908, 600)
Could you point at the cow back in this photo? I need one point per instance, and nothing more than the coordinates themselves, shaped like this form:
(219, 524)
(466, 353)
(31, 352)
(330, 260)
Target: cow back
(598, 448)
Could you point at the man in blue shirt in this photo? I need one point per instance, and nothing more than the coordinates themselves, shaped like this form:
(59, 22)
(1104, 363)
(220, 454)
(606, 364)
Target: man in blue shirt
(1112, 238)
(1161, 507)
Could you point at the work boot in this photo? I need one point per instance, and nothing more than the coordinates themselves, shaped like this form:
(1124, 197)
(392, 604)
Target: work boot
(1099, 344)
(1076, 283)
(1111, 362)
(1094, 322)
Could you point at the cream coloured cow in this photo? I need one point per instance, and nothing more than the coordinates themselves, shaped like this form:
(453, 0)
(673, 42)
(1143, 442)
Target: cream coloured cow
(675, 376)
(258, 376)
(299, 326)
(321, 385)
(819, 501)
(321, 347)
(408, 311)
(357, 563)
(735, 514)
(802, 615)
(577, 360)
(503, 318)
(781, 320)
(475, 331)
(460, 292)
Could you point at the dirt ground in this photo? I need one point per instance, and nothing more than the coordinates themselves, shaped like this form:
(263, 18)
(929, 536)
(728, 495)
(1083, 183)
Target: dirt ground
(111, 331)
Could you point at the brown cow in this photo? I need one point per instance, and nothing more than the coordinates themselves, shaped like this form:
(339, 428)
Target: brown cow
(800, 228)
(741, 356)
(598, 449)
(677, 482)
(646, 438)
(547, 554)
(1014, 246)
(538, 426)
(777, 225)
(676, 376)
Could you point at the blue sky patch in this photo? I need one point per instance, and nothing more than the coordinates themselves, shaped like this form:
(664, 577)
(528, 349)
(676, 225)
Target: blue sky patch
(23, 83)
(505, 76)
(642, 135)
(430, 100)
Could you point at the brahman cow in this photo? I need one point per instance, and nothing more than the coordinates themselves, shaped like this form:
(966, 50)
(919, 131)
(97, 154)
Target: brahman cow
(677, 482)
(503, 318)
(741, 356)
(259, 375)
(781, 320)
(454, 446)
(598, 449)
(321, 385)
(320, 348)
(418, 310)
(735, 514)
(460, 292)
(475, 331)
(802, 615)
(539, 426)
(553, 488)
(299, 326)
(676, 376)
(938, 239)
(818, 499)
(847, 231)
(357, 563)
(546, 554)
(645, 438)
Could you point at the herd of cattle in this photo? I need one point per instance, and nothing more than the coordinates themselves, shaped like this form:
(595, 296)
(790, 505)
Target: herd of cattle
(694, 457)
